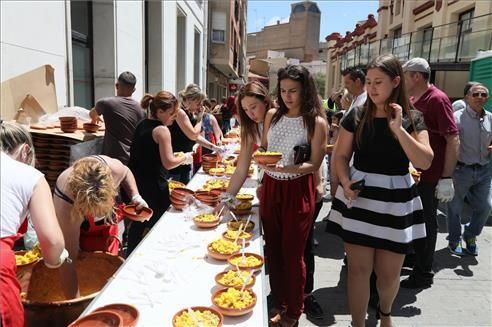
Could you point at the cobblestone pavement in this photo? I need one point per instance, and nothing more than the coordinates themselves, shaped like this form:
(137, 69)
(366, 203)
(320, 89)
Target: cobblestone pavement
(461, 294)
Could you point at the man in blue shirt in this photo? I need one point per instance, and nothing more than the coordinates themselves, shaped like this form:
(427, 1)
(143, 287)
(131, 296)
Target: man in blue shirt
(472, 176)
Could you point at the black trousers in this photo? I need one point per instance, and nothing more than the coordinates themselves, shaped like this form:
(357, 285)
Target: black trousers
(308, 253)
(425, 247)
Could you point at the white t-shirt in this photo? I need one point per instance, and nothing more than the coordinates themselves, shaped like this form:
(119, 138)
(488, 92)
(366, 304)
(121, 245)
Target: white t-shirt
(17, 184)
(359, 100)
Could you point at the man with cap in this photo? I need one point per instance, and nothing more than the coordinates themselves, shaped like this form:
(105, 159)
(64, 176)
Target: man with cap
(473, 175)
(436, 183)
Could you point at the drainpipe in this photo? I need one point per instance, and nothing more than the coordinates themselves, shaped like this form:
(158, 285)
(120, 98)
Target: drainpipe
(69, 59)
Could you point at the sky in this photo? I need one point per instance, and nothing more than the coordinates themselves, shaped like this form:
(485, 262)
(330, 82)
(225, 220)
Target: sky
(336, 15)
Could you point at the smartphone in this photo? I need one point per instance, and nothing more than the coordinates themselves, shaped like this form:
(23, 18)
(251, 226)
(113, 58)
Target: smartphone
(358, 186)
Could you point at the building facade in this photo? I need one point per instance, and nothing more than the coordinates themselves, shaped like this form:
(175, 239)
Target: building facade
(299, 38)
(89, 43)
(448, 33)
(226, 64)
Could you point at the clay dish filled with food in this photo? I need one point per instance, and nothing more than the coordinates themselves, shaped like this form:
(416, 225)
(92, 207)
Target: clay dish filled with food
(235, 278)
(235, 224)
(182, 194)
(206, 317)
(206, 220)
(232, 302)
(222, 249)
(267, 158)
(251, 261)
(232, 235)
(175, 184)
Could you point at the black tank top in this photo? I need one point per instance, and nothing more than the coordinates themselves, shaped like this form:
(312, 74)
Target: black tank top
(145, 161)
(179, 139)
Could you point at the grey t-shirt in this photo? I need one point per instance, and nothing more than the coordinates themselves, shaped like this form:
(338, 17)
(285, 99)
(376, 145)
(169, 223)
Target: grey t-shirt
(121, 117)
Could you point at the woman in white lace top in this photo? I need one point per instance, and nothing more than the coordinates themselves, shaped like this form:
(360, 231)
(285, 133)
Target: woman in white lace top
(288, 200)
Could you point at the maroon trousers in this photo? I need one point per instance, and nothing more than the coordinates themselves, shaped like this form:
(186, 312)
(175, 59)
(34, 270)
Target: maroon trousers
(286, 210)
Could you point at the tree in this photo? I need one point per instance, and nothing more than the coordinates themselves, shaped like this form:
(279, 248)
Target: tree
(320, 80)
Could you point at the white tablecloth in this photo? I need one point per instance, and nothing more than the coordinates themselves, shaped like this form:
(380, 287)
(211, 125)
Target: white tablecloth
(170, 269)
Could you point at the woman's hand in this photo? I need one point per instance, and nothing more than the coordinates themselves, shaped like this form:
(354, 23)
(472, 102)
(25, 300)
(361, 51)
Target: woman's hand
(188, 158)
(139, 201)
(350, 194)
(276, 168)
(396, 114)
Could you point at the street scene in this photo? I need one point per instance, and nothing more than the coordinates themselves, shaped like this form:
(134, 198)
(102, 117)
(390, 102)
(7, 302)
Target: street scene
(209, 163)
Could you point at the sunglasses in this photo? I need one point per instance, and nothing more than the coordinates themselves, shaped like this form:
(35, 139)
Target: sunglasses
(480, 94)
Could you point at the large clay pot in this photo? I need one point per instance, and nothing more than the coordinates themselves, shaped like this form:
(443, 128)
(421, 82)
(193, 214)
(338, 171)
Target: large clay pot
(45, 303)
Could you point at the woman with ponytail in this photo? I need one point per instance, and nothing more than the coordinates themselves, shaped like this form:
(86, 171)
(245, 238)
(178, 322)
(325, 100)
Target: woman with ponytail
(151, 158)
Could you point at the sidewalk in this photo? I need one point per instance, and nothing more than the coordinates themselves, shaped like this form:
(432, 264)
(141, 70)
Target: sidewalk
(461, 294)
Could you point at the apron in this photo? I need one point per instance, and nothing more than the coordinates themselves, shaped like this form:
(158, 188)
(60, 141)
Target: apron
(11, 309)
(101, 237)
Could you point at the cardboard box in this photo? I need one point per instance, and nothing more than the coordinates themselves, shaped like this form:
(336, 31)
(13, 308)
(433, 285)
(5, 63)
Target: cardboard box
(35, 90)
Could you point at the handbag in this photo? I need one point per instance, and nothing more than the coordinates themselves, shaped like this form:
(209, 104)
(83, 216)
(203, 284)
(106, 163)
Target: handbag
(302, 153)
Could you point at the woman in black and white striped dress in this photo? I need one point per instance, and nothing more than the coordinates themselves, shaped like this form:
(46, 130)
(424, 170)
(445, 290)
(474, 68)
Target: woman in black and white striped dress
(379, 222)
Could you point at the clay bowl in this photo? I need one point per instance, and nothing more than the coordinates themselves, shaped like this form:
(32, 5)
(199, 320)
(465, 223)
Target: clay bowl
(218, 191)
(241, 212)
(211, 157)
(67, 119)
(201, 309)
(90, 128)
(128, 313)
(182, 194)
(234, 225)
(329, 148)
(132, 213)
(68, 130)
(219, 276)
(245, 197)
(234, 312)
(219, 256)
(100, 319)
(212, 172)
(206, 224)
(208, 198)
(267, 159)
(247, 254)
(239, 240)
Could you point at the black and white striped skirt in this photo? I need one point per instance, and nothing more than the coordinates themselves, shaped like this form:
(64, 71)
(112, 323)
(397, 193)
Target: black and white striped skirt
(386, 215)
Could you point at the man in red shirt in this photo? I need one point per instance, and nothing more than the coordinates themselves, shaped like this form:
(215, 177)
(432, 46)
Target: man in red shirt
(436, 183)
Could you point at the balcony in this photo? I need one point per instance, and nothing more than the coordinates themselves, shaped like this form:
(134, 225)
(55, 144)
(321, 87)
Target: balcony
(446, 47)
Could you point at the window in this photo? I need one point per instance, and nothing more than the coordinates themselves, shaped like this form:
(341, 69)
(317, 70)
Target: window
(426, 43)
(298, 9)
(465, 21)
(218, 36)
(314, 8)
(82, 54)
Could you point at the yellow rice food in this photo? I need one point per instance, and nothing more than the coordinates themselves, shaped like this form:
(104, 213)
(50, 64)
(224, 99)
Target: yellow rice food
(174, 184)
(268, 153)
(206, 217)
(29, 256)
(244, 205)
(230, 170)
(244, 196)
(215, 183)
(206, 318)
(233, 234)
(234, 299)
(234, 278)
(219, 170)
(250, 261)
(224, 246)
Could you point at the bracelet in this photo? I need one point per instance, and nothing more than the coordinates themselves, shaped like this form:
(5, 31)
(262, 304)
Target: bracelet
(64, 256)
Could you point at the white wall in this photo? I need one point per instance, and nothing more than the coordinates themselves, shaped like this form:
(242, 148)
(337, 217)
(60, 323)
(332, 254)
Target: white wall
(32, 35)
(194, 20)
(130, 41)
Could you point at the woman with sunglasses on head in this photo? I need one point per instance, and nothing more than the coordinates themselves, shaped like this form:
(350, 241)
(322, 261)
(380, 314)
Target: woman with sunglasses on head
(151, 157)
(23, 189)
(379, 219)
(288, 196)
(186, 129)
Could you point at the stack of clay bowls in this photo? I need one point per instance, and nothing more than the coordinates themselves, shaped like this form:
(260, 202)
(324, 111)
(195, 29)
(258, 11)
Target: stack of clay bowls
(211, 160)
(68, 124)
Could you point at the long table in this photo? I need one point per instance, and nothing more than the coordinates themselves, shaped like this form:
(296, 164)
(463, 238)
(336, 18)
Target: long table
(170, 269)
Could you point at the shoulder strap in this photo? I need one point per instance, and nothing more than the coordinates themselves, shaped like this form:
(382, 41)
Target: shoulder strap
(62, 195)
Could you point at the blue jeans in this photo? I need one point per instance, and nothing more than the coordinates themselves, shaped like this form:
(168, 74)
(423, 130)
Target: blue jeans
(474, 183)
